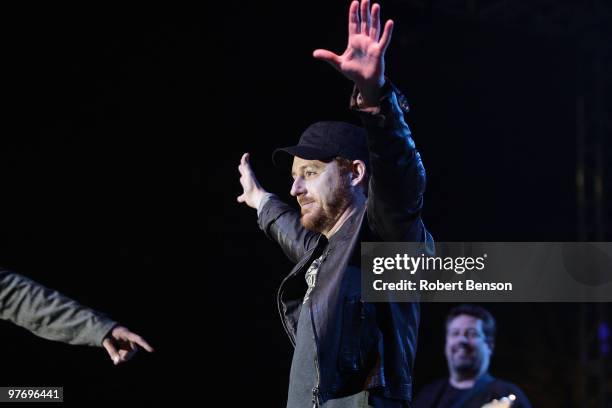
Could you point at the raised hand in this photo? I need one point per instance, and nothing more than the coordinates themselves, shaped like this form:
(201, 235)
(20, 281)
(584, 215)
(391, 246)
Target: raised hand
(363, 60)
(252, 191)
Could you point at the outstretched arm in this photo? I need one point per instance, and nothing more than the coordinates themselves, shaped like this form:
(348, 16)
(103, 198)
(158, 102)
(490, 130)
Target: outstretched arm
(49, 314)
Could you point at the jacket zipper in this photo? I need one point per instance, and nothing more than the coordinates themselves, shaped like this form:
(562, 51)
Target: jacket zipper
(316, 391)
(280, 311)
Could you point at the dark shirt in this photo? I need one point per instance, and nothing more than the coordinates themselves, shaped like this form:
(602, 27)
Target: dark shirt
(441, 394)
(450, 395)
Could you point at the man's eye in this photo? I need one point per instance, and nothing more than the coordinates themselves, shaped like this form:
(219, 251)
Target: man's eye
(309, 173)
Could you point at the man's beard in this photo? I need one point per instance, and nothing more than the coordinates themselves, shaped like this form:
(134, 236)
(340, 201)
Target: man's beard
(322, 219)
(467, 366)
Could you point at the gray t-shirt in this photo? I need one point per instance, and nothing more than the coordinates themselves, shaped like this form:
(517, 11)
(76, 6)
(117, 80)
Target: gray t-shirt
(303, 374)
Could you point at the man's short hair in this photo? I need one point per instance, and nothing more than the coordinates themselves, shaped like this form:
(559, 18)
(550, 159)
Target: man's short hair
(488, 321)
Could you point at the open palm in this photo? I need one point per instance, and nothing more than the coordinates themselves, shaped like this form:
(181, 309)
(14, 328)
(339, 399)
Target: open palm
(363, 60)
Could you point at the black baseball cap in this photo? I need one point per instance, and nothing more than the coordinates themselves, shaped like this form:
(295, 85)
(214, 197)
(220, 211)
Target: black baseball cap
(326, 140)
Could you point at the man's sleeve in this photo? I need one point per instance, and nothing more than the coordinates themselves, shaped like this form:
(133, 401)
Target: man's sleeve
(281, 222)
(48, 314)
(397, 175)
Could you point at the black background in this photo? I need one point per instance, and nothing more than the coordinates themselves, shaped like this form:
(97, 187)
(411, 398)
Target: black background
(97, 176)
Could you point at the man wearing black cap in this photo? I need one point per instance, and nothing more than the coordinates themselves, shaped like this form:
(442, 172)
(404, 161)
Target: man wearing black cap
(352, 184)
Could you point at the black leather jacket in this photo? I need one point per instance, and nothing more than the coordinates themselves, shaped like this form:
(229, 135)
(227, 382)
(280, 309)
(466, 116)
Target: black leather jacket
(359, 345)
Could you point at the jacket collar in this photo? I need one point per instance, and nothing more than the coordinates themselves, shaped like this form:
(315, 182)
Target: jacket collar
(349, 228)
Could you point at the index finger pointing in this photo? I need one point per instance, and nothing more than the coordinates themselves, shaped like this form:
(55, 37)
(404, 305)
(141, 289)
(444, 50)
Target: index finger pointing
(141, 342)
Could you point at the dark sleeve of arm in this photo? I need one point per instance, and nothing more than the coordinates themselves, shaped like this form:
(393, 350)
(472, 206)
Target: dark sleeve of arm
(48, 314)
(397, 175)
(281, 223)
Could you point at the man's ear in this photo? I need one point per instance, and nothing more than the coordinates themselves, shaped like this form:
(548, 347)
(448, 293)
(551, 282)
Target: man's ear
(358, 172)
(491, 344)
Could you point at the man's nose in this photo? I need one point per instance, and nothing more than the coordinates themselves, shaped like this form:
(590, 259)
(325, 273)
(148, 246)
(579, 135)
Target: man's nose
(298, 187)
(460, 339)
